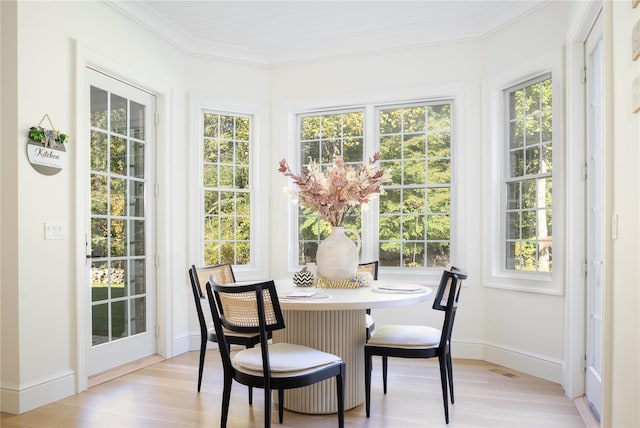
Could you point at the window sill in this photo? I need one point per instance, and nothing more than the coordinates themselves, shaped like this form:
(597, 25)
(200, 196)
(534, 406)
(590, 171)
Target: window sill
(529, 284)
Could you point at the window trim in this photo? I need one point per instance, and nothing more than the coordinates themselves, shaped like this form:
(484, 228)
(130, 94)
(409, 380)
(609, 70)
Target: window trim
(496, 275)
(506, 151)
(453, 93)
(258, 182)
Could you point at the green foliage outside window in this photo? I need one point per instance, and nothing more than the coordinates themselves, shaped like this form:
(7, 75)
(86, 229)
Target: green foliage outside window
(226, 191)
(414, 216)
(529, 184)
(414, 213)
(320, 137)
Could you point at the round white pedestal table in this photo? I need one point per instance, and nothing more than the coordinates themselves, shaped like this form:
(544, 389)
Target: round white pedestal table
(333, 320)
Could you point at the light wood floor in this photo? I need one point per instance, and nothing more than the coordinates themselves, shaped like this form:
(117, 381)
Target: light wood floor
(164, 395)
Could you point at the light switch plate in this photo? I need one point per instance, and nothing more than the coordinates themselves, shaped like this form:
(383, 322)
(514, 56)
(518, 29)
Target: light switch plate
(53, 231)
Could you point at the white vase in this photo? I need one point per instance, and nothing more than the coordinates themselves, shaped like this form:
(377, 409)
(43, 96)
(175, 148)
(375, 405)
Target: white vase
(337, 257)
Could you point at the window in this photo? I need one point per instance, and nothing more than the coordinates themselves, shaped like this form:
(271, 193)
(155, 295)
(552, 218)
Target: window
(415, 221)
(320, 136)
(226, 197)
(413, 217)
(528, 177)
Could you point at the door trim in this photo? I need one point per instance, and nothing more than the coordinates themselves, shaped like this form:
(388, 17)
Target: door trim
(575, 301)
(164, 315)
(593, 385)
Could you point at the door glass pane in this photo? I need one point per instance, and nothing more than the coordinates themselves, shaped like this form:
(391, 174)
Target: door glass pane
(118, 244)
(99, 281)
(136, 125)
(119, 317)
(136, 233)
(99, 237)
(136, 198)
(138, 315)
(117, 196)
(137, 277)
(99, 194)
(136, 161)
(98, 116)
(118, 150)
(117, 238)
(100, 323)
(98, 151)
(118, 114)
(117, 274)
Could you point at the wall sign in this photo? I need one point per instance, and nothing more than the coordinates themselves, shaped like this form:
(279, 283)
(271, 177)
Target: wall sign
(46, 160)
(45, 148)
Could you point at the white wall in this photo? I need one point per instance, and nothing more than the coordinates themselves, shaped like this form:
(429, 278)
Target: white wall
(622, 298)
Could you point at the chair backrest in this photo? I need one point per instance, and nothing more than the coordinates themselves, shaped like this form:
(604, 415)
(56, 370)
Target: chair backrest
(371, 267)
(446, 300)
(197, 295)
(449, 289)
(222, 274)
(250, 308)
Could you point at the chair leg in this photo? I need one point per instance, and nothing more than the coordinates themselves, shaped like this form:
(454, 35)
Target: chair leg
(340, 394)
(280, 405)
(226, 397)
(203, 350)
(267, 406)
(250, 387)
(367, 381)
(443, 381)
(450, 376)
(384, 373)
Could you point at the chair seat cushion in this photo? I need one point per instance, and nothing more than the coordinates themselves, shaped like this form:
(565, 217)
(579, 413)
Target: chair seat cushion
(284, 358)
(406, 336)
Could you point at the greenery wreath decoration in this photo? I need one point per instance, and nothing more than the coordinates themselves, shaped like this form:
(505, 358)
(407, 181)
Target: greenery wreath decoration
(48, 137)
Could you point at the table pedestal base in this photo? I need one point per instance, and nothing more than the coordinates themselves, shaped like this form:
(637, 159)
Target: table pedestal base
(339, 332)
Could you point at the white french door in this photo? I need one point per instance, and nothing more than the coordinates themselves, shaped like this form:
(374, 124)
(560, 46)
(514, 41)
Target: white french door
(595, 215)
(120, 223)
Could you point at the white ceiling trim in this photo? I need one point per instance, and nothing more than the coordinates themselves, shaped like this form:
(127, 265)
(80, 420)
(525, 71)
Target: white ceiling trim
(175, 35)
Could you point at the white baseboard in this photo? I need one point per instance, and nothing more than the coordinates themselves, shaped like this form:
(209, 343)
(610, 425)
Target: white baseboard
(541, 366)
(182, 344)
(190, 342)
(20, 399)
(467, 349)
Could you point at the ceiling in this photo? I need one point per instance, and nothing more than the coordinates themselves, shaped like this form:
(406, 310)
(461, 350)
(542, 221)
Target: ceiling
(272, 33)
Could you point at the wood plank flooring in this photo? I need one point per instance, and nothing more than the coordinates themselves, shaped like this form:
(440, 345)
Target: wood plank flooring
(164, 395)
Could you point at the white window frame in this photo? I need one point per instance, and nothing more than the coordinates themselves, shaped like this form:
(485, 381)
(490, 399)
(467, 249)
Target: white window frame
(496, 275)
(449, 93)
(258, 182)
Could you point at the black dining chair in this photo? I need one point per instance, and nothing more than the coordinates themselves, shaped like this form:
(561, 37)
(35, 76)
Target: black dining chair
(255, 309)
(411, 341)
(223, 273)
(372, 268)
